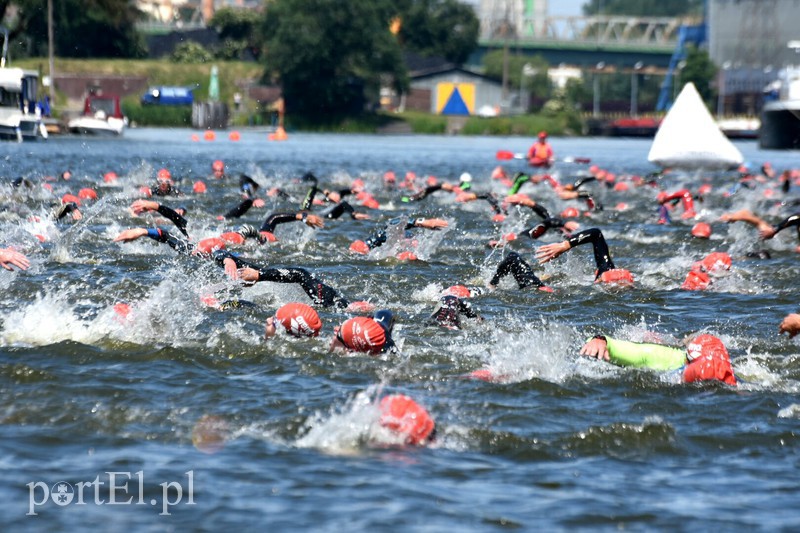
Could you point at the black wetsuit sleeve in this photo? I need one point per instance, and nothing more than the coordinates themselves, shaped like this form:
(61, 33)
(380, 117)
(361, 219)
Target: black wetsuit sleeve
(582, 181)
(516, 266)
(492, 202)
(344, 192)
(247, 231)
(173, 215)
(247, 185)
(319, 292)
(240, 209)
(377, 239)
(65, 209)
(793, 220)
(181, 246)
(541, 211)
(275, 219)
(308, 201)
(339, 209)
(425, 192)
(602, 256)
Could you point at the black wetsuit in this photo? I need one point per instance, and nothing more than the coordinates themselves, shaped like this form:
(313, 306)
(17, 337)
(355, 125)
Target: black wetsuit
(170, 190)
(602, 256)
(515, 265)
(449, 310)
(274, 219)
(547, 223)
(791, 220)
(175, 217)
(65, 210)
(318, 291)
(379, 238)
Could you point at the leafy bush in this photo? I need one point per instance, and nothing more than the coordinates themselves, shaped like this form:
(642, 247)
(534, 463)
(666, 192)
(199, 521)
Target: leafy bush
(157, 115)
(191, 52)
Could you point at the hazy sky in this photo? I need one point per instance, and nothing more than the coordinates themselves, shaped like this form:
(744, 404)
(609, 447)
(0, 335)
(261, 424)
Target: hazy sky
(565, 7)
(555, 7)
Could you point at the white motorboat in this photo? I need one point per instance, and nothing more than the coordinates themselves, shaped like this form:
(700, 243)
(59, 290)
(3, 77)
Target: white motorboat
(102, 115)
(20, 117)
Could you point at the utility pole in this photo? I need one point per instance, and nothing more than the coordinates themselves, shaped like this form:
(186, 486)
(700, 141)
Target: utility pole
(51, 61)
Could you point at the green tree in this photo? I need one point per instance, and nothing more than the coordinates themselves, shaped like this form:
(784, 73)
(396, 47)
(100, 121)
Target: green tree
(445, 28)
(238, 31)
(82, 28)
(701, 71)
(331, 55)
(538, 85)
(191, 52)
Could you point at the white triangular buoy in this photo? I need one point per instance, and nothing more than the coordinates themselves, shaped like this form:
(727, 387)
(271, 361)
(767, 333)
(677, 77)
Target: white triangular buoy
(689, 138)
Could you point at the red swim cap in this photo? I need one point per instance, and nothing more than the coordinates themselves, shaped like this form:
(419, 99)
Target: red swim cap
(110, 177)
(362, 334)
(616, 276)
(406, 417)
(218, 165)
(696, 280)
(299, 319)
(714, 262)
(232, 237)
(459, 291)
(389, 177)
(163, 174)
(359, 247)
(621, 187)
(704, 189)
(708, 360)
(87, 194)
(407, 256)
(570, 212)
(267, 236)
(701, 230)
(199, 187)
(122, 309)
(67, 198)
(207, 246)
(372, 203)
(499, 173)
(498, 217)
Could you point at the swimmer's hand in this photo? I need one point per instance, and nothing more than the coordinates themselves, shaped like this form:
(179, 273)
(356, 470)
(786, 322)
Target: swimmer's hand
(597, 348)
(549, 252)
(314, 221)
(9, 257)
(790, 325)
(130, 234)
(142, 206)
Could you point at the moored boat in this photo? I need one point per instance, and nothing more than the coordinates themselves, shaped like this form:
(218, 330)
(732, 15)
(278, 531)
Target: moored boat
(780, 116)
(102, 115)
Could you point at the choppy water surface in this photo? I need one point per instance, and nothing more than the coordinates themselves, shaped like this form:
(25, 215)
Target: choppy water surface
(283, 434)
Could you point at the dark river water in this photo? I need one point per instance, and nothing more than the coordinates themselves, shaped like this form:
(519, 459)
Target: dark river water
(182, 417)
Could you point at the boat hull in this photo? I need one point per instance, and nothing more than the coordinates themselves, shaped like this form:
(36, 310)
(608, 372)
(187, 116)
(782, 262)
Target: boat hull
(780, 127)
(27, 130)
(93, 126)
